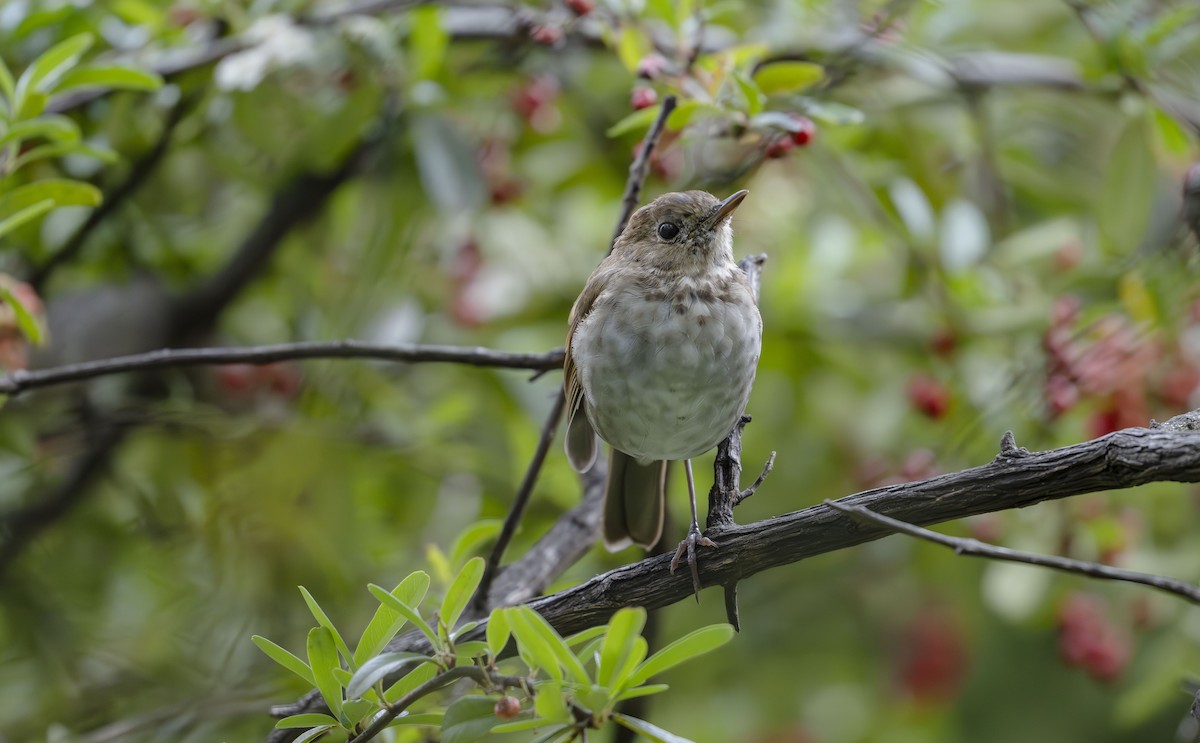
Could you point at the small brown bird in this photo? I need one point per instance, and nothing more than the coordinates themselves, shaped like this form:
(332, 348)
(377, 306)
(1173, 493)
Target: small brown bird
(661, 354)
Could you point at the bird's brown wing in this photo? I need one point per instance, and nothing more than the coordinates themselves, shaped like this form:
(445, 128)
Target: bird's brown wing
(581, 437)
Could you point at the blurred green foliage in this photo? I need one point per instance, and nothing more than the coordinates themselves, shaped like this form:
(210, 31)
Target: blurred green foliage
(982, 236)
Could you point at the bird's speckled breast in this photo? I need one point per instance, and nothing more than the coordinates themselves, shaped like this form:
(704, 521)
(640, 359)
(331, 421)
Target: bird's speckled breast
(668, 376)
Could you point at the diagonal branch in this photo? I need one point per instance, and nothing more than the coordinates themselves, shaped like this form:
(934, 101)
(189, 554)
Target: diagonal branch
(21, 380)
(976, 548)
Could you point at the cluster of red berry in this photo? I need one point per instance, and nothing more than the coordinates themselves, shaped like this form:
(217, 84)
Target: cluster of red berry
(781, 144)
(1088, 640)
(282, 379)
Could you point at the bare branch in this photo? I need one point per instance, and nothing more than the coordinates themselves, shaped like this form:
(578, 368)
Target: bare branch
(20, 381)
(637, 169)
(976, 548)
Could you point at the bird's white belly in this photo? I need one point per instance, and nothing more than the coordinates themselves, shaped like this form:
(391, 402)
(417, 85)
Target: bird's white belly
(665, 384)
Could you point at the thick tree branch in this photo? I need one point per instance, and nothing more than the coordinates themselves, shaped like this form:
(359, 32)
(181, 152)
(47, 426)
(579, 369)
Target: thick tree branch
(976, 548)
(21, 380)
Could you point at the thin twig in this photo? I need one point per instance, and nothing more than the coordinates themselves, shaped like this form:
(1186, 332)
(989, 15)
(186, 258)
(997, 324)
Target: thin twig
(633, 189)
(758, 481)
(976, 548)
(637, 169)
(21, 380)
(481, 676)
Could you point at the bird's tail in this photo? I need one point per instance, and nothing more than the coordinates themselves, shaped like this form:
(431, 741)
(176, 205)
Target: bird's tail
(634, 502)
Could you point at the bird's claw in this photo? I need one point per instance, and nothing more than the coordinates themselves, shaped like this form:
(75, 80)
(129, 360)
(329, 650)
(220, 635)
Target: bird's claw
(695, 537)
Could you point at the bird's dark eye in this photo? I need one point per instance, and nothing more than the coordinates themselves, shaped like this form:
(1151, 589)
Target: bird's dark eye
(668, 230)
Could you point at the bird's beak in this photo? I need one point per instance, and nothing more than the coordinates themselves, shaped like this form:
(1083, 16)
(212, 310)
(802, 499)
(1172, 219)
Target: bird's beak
(725, 208)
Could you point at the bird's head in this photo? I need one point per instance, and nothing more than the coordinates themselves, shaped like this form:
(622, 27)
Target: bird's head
(688, 231)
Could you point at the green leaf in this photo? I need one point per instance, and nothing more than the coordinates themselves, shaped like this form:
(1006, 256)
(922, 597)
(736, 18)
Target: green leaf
(549, 703)
(60, 191)
(525, 620)
(284, 658)
(428, 42)
(387, 622)
(691, 645)
(410, 681)
(641, 691)
(323, 620)
(632, 47)
(110, 77)
(556, 734)
(27, 214)
(534, 648)
(787, 77)
(459, 594)
(579, 638)
(323, 658)
(637, 654)
(30, 105)
(58, 149)
(29, 325)
(306, 720)
(468, 719)
(471, 537)
(314, 733)
(54, 128)
(832, 112)
(636, 120)
(652, 732)
(375, 669)
(8, 87)
(517, 726)
(1123, 219)
(138, 13)
(407, 611)
(467, 652)
(685, 112)
(46, 69)
(497, 632)
(754, 97)
(624, 627)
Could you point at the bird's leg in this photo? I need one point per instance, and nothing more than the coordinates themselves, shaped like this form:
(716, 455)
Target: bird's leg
(694, 537)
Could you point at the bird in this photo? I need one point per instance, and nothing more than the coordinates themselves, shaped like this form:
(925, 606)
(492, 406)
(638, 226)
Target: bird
(661, 354)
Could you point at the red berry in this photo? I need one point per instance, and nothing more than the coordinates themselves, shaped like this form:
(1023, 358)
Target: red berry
(1061, 394)
(928, 395)
(805, 130)
(237, 379)
(779, 147)
(282, 378)
(944, 341)
(546, 35)
(936, 658)
(642, 98)
(580, 7)
(537, 93)
(507, 707)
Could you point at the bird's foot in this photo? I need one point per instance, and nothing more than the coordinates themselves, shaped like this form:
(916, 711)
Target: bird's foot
(688, 546)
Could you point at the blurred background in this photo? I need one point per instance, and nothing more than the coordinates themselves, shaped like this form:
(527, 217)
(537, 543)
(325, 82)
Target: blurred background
(975, 222)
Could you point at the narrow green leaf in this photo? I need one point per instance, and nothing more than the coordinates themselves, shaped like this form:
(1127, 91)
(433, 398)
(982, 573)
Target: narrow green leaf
(387, 622)
(469, 651)
(323, 658)
(636, 120)
(323, 620)
(306, 720)
(356, 710)
(27, 214)
(534, 648)
(787, 77)
(653, 732)
(471, 538)
(590, 652)
(284, 658)
(463, 629)
(113, 78)
(311, 735)
(60, 191)
(637, 654)
(407, 611)
(468, 719)
(1129, 169)
(551, 640)
(461, 590)
(420, 718)
(632, 46)
(497, 632)
(691, 645)
(687, 111)
(8, 87)
(410, 681)
(428, 42)
(30, 104)
(750, 91)
(641, 691)
(549, 703)
(377, 668)
(517, 726)
(579, 638)
(53, 127)
(58, 149)
(29, 325)
(623, 628)
(46, 69)
(556, 734)
(138, 13)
